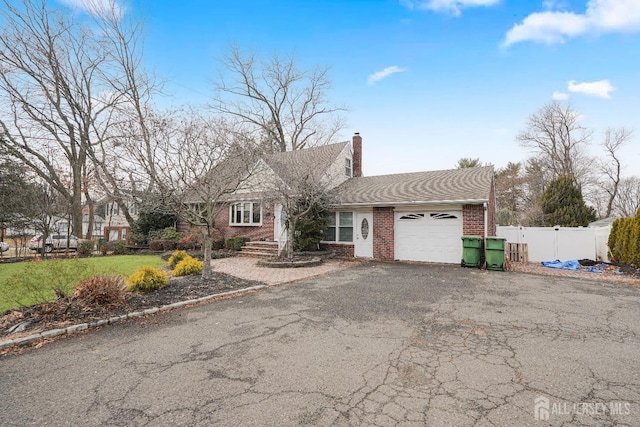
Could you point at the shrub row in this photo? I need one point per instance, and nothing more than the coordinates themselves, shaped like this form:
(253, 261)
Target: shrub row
(118, 247)
(109, 290)
(190, 242)
(163, 245)
(624, 240)
(85, 247)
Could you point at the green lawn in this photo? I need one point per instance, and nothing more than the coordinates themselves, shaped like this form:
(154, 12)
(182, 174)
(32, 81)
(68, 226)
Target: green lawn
(32, 282)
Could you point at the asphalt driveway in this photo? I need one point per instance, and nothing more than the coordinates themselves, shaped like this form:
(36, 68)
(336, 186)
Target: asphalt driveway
(375, 344)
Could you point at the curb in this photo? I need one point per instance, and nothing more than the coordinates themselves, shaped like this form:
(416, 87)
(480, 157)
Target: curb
(74, 329)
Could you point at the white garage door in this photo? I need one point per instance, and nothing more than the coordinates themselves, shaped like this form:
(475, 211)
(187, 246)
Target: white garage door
(428, 236)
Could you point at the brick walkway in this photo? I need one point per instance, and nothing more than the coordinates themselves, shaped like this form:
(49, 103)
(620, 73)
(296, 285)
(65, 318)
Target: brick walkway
(247, 268)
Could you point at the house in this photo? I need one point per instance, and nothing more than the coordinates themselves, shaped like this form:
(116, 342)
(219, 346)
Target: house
(109, 221)
(411, 216)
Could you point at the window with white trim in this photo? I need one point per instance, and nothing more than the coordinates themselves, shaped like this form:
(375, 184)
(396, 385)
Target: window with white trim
(340, 227)
(347, 167)
(245, 213)
(113, 209)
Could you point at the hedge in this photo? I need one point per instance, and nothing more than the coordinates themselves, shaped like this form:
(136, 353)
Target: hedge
(624, 240)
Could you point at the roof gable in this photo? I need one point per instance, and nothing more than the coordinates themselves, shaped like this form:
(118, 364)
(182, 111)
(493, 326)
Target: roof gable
(316, 160)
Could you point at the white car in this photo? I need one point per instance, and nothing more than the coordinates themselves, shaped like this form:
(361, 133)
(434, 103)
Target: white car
(54, 242)
(4, 246)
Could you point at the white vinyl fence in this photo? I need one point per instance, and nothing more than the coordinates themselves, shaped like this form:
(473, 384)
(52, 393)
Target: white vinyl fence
(563, 243)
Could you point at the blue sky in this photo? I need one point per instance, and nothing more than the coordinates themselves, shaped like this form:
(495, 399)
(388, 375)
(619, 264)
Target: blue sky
(426, 81)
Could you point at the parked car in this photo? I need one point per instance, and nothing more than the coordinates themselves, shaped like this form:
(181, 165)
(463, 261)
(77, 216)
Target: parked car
(4, 246)
(54, 242)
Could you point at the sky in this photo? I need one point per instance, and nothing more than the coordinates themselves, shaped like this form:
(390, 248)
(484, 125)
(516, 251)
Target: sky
(426, 82)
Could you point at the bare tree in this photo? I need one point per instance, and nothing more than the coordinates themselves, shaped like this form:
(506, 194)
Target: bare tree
(510, 191)
(282, 105)
(612, 167)
(66, 80)
(559, 140)
(115, 169)
(628, 201)
(535, 181)
(303, 181)
(195, 162)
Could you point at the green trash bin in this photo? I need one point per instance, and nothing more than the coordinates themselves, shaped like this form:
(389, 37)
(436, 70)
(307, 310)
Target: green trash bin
(471, 251)
(494, 253)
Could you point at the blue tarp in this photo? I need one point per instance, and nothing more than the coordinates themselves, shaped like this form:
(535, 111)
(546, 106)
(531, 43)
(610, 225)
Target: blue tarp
(571, 264)
(563, 265)
(593, 269)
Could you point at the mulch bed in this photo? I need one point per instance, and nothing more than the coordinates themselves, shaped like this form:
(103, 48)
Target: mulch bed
(70, 311)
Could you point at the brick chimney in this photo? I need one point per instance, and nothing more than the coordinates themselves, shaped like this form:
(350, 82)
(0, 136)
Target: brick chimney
(357, 154)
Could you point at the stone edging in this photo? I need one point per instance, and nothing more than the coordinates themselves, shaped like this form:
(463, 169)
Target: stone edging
(275, 263)
(73, 329)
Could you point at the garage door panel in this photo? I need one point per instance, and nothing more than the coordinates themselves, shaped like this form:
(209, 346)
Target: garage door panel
(429, 236)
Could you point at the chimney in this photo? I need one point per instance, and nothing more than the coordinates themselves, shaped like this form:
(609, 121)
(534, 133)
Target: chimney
(357, 154)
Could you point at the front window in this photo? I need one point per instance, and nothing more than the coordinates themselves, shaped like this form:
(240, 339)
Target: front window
(340, 227)
(347, 167)
(245, 213)
(113, 209)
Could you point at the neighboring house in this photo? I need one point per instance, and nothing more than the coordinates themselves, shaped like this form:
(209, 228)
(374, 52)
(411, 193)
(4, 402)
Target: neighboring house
(109, 221)
(413, 216)
(98, 226)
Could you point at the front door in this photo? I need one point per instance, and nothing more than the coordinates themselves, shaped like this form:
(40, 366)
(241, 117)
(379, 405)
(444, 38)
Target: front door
(364, 235)
(279, 227)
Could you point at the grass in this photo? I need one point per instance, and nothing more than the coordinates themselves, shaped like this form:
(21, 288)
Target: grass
(33, 282)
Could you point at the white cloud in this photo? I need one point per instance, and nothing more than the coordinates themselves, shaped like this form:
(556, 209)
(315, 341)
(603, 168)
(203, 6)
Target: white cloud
(453, 7)
(547, 27)
(600, 88)
(96, 7)
(559, 96)
(554, 5)
(383, 74)
(556, 26)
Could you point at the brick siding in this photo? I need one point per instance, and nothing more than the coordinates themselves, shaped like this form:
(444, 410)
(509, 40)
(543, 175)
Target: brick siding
(473, 220)
(383, 234)
(473, 217)
(357, 155)
(225, 231)
(342, 251)
(263, 232)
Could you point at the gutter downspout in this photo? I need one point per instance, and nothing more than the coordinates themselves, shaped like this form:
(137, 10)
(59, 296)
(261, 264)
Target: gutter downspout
(486, 216)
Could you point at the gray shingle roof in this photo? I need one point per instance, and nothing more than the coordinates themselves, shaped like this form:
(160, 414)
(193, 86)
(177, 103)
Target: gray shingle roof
(446, 186)
(316, 160)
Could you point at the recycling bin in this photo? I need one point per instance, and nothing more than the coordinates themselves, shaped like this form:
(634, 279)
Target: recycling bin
(494, 253)
(471, 251)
